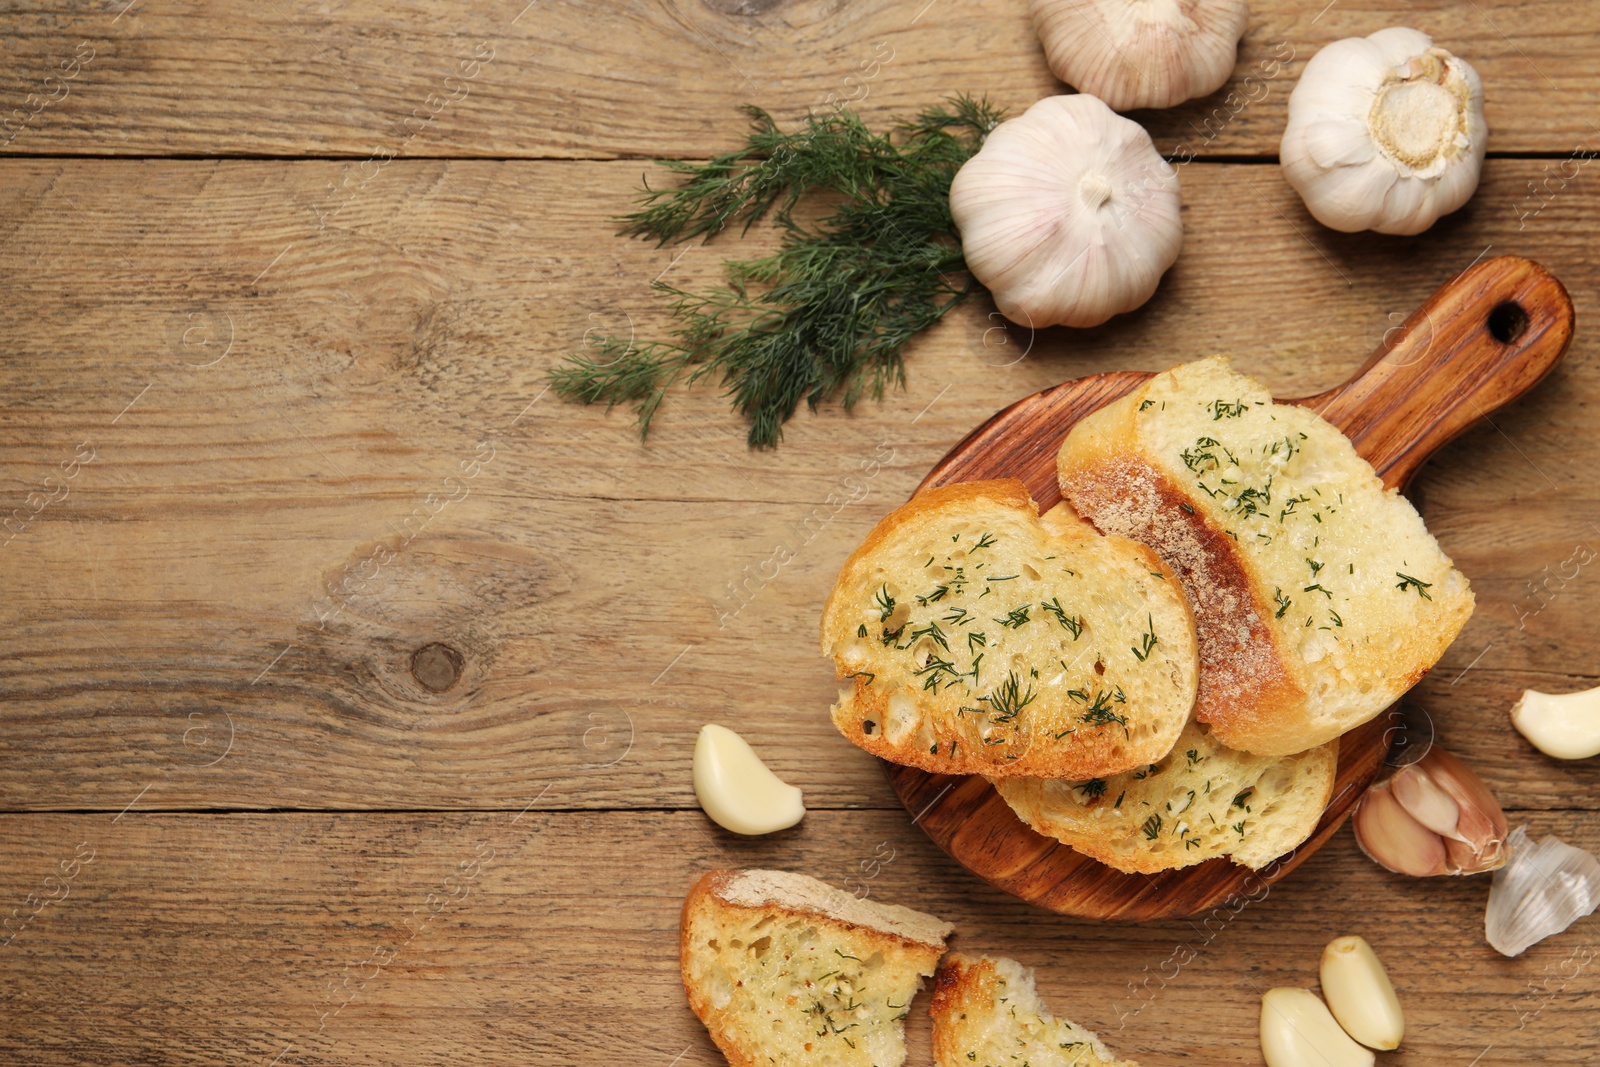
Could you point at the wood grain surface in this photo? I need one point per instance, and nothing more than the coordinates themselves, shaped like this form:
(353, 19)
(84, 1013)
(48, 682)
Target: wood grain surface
(273, 432)
(570, 79)
(375, 939)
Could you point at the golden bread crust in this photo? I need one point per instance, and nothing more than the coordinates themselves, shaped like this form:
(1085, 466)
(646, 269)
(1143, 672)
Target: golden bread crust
(1050, 676)
(1319, 596)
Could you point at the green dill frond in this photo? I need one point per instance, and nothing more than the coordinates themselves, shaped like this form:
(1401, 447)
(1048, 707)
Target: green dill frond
(1408, 582)
(830, 312)
(1100, 714)
(1006, 702)
(1147, 640)
(1071, 623)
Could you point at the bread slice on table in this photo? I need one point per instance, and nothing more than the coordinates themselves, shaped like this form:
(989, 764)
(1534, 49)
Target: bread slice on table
(1320, 595)
(785, 969)
(986, 1013)
(1200, 801)
(979, 639)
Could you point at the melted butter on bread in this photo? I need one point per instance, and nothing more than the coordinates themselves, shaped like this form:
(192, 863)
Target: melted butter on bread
(1320, 596)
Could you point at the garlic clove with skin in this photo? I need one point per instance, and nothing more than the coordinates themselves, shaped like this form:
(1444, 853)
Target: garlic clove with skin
(1141, 53)
(1478, 843)
(1566, 726)
(1399, 843)
(1385, 133)
(1432, 817)
(1068, 215)
(1424, 801)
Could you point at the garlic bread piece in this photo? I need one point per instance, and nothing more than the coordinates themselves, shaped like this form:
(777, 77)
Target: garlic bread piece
(1320, 595)
(986, 1012)
(782, 968)
(1200, 801)
(978, 638)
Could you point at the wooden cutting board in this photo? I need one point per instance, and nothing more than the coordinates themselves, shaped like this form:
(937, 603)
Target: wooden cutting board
(1481, 341)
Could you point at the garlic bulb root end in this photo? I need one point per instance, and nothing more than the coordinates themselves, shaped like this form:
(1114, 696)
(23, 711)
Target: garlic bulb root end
(1385, 133)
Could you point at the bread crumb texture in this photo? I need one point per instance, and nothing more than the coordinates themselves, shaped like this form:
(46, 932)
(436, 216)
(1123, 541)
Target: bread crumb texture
(977, 637)
(986, 1013)
(1320, 596)
(785, 969)
(1202, 800)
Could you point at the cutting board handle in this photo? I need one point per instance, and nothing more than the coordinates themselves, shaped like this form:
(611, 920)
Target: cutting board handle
(1483, 339)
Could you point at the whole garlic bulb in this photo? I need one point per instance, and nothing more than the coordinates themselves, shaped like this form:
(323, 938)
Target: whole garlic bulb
(1385, 133)
(1068, 214)
(1141, 53)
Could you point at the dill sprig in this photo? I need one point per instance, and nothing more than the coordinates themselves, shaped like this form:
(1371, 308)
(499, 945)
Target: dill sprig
(830, 312)
(1408, 582)
(1007, 702)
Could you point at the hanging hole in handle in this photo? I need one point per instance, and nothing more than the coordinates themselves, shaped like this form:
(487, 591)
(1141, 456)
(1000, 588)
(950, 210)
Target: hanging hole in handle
(1507, 321)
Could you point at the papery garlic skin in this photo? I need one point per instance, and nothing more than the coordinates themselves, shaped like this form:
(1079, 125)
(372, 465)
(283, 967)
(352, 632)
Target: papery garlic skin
(1141, 53)
(1385, 133)
(1543, 890)
(1297, 1030)
(1432, 817)
(1360, 995)
(1566, 726)
(737, 790)
(1068, 215)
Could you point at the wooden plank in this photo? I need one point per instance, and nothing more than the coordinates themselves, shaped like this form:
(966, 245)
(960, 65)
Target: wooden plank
(220, 565)
(431, 939)
(433, 280)
(562, 78)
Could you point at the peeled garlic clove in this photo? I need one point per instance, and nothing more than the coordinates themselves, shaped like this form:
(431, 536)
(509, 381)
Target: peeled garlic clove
(1543, 890)
(1419, 111)
(1395, 841)
(1134, 53)
(1565, 726)
(1360, 994)
(1297, 1030)
(736, 789)
(1068, 214)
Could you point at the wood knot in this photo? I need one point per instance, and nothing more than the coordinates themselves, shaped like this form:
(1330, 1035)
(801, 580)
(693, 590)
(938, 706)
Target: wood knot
(436, 667)
(742, 7)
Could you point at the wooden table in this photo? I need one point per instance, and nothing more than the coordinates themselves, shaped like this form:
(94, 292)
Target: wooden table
(351, 680)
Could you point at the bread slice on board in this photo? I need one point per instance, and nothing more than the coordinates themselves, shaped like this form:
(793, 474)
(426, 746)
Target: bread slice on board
(785, 969)
(1320, 595)
(1200, 801)
(986, 1012)
(979, 639)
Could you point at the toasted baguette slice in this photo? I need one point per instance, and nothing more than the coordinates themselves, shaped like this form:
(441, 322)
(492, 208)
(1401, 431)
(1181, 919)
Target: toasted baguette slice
(980, 639)
(782, 968)
(1321, 597)
(1198, 802)
(985, 1012)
